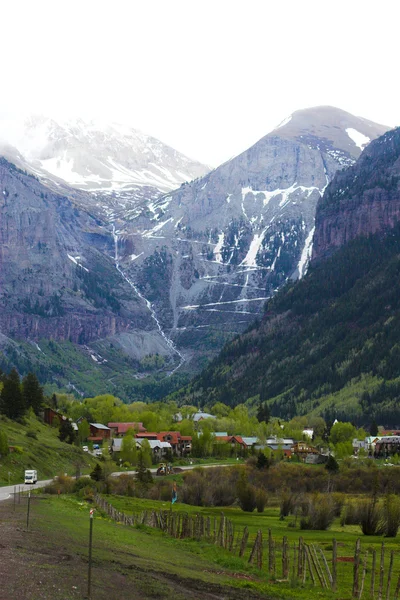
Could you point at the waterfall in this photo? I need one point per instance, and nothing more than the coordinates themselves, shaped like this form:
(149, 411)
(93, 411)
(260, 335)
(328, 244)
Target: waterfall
(168, 340)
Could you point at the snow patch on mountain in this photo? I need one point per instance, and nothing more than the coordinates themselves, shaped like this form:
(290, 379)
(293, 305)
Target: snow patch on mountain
(306, 254)
(218, 247)
(251, 256)
(358, 138)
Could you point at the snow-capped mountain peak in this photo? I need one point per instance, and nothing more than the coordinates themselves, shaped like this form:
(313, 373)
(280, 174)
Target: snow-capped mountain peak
(100, 156)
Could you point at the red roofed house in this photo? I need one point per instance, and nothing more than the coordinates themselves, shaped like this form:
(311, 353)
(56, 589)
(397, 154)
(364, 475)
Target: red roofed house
(147, 435)
(235, 440)
(120, 429)
(180, 444)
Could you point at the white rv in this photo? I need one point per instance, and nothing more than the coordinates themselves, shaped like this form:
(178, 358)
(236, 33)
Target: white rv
(30, 476)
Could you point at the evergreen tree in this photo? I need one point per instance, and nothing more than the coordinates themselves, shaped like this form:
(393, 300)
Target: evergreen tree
(262, 461)
(332, 464)
(32, 392)
(263, 413)
(53, 402)
(12, 400)
(373, 430)
(97, 473)
(66, 431)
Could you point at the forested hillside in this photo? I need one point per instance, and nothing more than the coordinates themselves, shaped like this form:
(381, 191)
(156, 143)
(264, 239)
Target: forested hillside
(329, 343)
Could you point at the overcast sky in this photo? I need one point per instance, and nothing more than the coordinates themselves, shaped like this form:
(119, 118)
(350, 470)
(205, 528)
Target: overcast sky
(209, 77)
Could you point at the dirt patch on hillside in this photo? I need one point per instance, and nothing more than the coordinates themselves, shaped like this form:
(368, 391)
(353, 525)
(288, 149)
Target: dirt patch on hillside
(36, 566)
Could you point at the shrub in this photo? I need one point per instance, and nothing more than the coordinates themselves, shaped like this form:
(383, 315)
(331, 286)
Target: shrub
(31, 434)
(371, 517)
(320, 513)
(81, 483)
(350, 514)
(391, 515)
(222, 495)
(287, 503)
(338, 500)
(261, 500)
(246, 493)
(332, 465)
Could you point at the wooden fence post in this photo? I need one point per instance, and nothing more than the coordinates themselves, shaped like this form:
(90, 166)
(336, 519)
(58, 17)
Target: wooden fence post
(334, 565)
(307, 552)
(389, 579)
(356, 569)
(397, 590)
(381, 572)
(244, 541)
(363, 574)
(269, 551)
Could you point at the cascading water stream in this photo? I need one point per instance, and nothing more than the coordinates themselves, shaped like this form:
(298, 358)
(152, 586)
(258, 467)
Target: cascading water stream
(168, 340)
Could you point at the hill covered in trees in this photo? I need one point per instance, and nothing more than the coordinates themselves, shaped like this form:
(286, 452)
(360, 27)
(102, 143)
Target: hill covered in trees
(330, 343)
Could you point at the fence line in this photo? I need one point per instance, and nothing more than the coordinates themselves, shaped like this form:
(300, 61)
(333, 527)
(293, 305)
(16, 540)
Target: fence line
(309, 562)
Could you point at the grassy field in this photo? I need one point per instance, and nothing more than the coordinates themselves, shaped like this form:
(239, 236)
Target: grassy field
(38, 447)
(142, 562)
(128, 562)
(346, 539)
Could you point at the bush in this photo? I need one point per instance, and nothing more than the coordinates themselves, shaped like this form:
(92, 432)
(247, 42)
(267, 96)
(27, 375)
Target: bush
(371, 517)
(320, 513)
(81, 483)
(246, 493)
(62, 484)
(338, 500)
(31, 434)
(261, 500)
(287, 503)
(391, 515)
(350, 514)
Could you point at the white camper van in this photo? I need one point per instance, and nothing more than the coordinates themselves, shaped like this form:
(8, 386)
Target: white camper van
(30, 476)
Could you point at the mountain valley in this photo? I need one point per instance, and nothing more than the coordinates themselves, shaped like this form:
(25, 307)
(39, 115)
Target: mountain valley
(133, 282)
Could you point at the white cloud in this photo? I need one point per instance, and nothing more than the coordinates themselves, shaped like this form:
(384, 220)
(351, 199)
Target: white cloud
(209, 77)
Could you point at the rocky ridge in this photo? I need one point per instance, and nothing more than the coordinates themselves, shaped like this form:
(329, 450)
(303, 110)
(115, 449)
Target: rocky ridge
(209, 254)
(362, 200)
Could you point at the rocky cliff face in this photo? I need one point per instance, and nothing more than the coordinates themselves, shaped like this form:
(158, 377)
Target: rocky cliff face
(362, 200)
(209, 254)
(57, 273)
(174, 275)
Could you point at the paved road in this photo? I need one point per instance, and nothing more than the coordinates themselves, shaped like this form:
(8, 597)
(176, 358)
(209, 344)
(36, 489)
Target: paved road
(8, 490)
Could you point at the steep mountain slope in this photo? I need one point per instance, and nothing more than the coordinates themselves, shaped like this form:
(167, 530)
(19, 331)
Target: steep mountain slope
(330, 342)
(209, 254)
(58, 282)
(99, 157)
(362, 200)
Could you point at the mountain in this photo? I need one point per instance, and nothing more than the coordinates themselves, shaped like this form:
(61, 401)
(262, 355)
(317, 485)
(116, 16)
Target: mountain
(65, 310)
(115, 293)
(330, 343)
(362, 200)
(98, 157)
(209, 254)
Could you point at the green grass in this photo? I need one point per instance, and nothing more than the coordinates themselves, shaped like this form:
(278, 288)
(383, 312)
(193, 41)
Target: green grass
(46, 454)
(345, 536)
(116, 547)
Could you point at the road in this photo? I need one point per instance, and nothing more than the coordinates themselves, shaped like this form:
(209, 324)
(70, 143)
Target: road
(8, 490)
